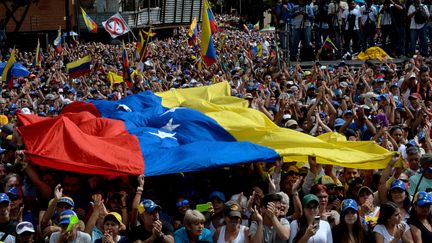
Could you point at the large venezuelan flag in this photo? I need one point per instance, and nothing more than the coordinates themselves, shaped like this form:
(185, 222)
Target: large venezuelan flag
(79, 67)
(177, 131)
(208, 51)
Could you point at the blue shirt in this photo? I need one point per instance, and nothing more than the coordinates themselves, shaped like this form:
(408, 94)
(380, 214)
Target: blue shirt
(181, 236)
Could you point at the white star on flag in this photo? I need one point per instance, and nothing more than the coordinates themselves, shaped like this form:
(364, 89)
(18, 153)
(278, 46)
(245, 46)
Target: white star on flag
(124, 107)
(170, 126)
(172, 110)
(163, 135)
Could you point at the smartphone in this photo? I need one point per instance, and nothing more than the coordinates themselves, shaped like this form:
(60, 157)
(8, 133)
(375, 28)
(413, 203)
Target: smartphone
(317, 221)
(203, 207)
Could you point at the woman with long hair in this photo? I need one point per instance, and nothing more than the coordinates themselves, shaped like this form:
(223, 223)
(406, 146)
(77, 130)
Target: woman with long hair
(390, 227)
(310, 228)
(193, 229)
(420, 220)
(350, 228)
(399, 195)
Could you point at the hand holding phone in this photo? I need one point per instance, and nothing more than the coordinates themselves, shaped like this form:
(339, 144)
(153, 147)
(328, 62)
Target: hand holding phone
(317, 221)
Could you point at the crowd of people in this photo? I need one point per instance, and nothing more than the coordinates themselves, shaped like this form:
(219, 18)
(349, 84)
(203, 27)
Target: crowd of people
(260, 202)
(353, 26)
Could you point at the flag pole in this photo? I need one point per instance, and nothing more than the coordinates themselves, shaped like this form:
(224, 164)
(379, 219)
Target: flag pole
(320, 50)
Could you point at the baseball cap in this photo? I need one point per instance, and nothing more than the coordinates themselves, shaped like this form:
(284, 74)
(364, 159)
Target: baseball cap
(25, 111)
(309, 198)
(307, 73)
(248, 96)
(232, 209)
(4, 198)
(7, 129)
(422, 198)
(348, 112)
(347, 204)
(66, 200)
(339, 122)
(50, 97)
(325, 180)
(217, 194)
(364, 188)
(115, 217)
(24, 227)
(290, 123)
(414, 96)
(398, 184)
(149, 206)
(65, 216)
(14, 193)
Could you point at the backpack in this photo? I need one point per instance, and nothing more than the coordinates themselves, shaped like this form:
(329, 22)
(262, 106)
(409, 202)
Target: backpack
(421, 16)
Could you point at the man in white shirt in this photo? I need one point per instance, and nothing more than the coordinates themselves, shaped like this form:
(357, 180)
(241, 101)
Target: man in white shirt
(368, 19)
(351, 23)
(419, 15)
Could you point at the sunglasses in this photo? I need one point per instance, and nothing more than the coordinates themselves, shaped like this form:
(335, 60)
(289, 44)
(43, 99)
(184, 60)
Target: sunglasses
(182, 203)
(312, 206)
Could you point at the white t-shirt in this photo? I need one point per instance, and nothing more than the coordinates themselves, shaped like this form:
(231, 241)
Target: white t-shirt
(356, 13)
(371, 12)
(382, 230)
(323, 235)
(81, 238)
(413, 24)
(9, 238)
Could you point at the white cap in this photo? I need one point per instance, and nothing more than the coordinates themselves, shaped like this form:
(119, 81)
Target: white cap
(25, 111)
(24, 227)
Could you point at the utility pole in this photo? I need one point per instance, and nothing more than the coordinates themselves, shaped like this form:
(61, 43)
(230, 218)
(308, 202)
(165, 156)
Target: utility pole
(68, 23)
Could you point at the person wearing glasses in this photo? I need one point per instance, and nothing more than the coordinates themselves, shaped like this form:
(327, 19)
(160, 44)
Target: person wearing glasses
(233, 231)
(182, 206)
(331, 216)
(310, 228)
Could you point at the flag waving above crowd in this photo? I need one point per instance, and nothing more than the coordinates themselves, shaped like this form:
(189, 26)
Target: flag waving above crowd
(208, 51)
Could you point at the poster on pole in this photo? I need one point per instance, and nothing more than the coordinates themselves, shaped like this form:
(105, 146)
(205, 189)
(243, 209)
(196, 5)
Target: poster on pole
(116, 26)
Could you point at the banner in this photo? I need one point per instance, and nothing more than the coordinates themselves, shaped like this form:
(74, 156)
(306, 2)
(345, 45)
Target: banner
(116, 26)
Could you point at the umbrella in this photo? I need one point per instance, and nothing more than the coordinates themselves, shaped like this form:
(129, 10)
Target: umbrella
(71, 33)
(18, 70)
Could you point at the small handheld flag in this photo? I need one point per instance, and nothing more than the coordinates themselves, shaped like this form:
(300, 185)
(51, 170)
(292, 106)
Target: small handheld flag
(126, 72)
(79, 67)
(328, 44)
(7, 75)
(58, 41)
(38, 56)
(193, 31)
